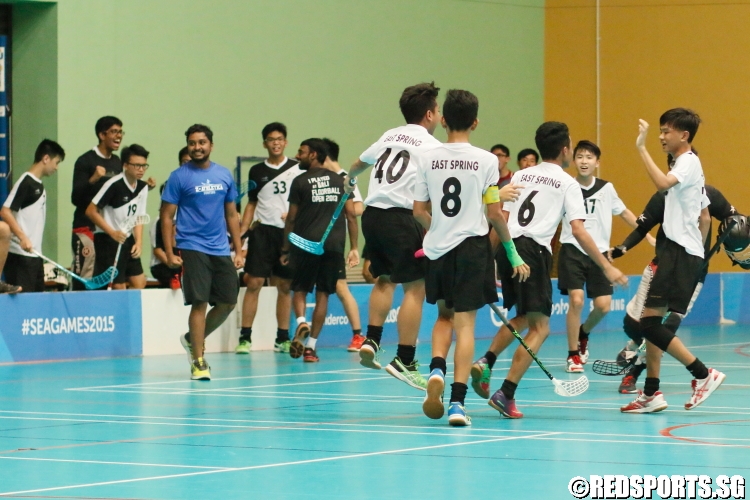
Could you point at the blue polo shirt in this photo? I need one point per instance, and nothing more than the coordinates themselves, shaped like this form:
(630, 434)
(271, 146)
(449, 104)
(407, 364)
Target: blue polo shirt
(200, 195)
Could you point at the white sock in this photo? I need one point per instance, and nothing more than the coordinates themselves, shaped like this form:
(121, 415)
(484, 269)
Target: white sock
(301, 320)
(311, 342)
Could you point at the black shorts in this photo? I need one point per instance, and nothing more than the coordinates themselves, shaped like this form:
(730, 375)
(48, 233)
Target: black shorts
(319, 272)
(575, 268)
(393, 236)
(675, 278)
(464, 277)
(534, 294)
(164, 274)
(263, 252)
(26, 272)
(208, 278)
(106, 250)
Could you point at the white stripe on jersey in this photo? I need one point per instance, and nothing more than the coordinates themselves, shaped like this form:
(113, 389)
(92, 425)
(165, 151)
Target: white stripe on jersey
(125, 202)
(683, 203)
(393, 173)
(273, 197)
(30, 217)
(547, 193)
(600, 207)
(454, 176)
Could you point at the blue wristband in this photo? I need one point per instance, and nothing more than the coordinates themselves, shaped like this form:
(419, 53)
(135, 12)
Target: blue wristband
(513, 257)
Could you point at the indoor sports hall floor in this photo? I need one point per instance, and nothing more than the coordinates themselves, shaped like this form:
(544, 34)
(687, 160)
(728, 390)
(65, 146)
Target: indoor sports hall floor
(271, 427)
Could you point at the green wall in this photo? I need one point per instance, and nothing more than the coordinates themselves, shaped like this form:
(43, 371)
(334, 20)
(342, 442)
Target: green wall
(330, 68)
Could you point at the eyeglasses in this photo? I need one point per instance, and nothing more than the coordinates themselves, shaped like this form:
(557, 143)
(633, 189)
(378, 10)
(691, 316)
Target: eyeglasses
(271, 140)
(116, 132)
(139, 166)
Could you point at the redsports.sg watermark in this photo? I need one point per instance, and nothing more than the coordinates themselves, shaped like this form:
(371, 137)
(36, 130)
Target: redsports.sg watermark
(684, 487)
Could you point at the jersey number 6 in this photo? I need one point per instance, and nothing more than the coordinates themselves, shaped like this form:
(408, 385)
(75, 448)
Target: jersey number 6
(527, 210)
(389, 177)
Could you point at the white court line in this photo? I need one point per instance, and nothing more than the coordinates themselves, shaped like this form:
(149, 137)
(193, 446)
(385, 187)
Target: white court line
(717, 345)
(281, 464)
(2, 457)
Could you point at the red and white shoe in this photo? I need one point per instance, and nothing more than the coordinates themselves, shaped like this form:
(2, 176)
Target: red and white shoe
(702, 388)
(575, 365)
(356, 343)
(583, 350)
(645, 404)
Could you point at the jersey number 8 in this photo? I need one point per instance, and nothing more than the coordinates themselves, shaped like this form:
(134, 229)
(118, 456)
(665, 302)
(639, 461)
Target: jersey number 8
(389, 176)
(448, 196)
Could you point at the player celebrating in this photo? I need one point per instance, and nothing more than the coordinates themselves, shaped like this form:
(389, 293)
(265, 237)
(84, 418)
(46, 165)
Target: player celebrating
(392, 234)
(546, 194)
(268, 203)
(575, 268)
(686, 224)
(459, 179)
(313, 198)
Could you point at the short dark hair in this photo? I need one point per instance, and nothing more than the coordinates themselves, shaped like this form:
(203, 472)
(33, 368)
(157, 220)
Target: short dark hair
(588, 146)
(417, 100)
(161, 188)
(526, 152)
(332, 147)
(682, 119)
(274, 127)
(133, 150)
(501, 147)
(460, 109)
(50, 148)
(183, 152)
(105, 123)
(318, 147)
(200, 128)
(551, 138)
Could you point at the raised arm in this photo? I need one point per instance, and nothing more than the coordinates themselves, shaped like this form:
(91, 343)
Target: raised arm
(661, 180)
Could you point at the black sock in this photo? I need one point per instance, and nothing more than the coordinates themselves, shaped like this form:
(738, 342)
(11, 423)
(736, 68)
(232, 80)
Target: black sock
(374, 333)
(637, 370)
(582, 335)
(698, 369)
(187, 337)
(573, 353)
(246, 333)
(438, 363)
(358, 331)
(491, 358)
(406, 353)
(281, 335)
(458, 392)
(651, 386)
(509, 389)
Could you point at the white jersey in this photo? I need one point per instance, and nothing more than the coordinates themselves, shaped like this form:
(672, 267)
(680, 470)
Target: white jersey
(454, 177)
(683, 204)
(547, 193)
(271, 193)
(28, 203)
(601, 202)
(120, 203)
(393, 171)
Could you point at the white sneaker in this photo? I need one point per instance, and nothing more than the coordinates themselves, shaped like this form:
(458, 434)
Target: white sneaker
(645, 404)
(574, 364)
(702, 388)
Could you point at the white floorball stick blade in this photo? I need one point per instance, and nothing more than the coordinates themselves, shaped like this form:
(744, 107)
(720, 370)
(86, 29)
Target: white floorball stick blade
(571, 388)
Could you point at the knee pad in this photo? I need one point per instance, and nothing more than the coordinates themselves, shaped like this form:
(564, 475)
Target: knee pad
(656, 333)
(632, 329)
(673, 322)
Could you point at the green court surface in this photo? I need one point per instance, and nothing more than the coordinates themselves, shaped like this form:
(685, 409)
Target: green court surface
(272, 427)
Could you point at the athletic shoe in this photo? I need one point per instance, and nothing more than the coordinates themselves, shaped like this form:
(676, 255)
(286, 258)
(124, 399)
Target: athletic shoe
(243, 347)
(457, 416)
(480, 377)
(583, 350)
(432, 406)
(297, 347)
(645, 404)
(310, 356)
(627, 386)
(282, 346)
(8, 288)
(702, 388)
(369, 354)
(575, 365)
(407, 373)
(200, 370)
(356, 343)
(507, 407)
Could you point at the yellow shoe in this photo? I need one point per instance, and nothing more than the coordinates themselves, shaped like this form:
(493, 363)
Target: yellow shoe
(200, 370)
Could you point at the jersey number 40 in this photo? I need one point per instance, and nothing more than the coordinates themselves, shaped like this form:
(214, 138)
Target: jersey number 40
(390, 177)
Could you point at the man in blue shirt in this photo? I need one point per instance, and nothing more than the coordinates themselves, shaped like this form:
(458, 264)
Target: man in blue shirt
(205, 194)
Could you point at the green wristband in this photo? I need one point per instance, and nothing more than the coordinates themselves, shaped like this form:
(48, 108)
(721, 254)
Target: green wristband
(513, 257)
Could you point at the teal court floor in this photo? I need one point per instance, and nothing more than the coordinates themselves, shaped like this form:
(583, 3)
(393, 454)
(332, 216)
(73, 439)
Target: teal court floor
(271, 427)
